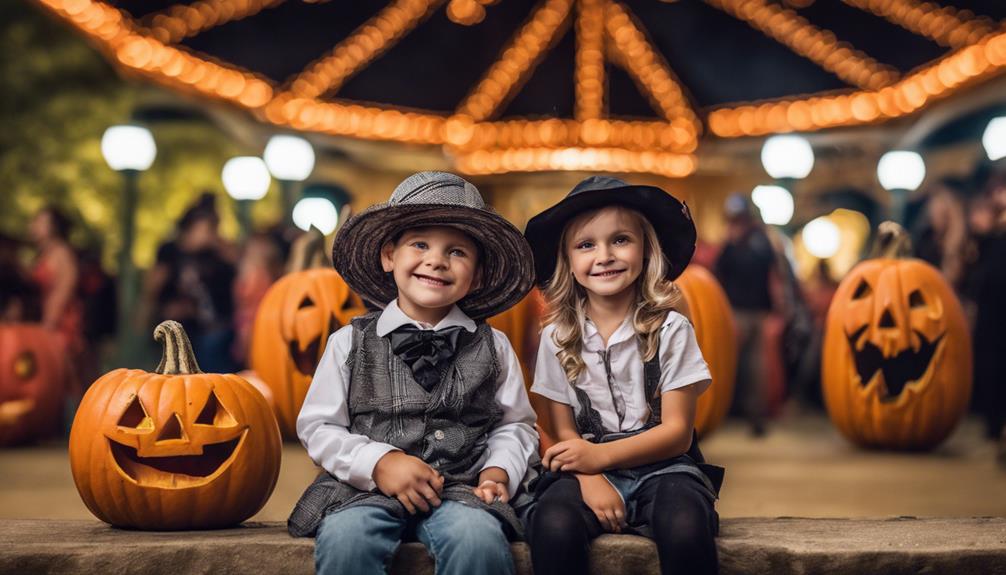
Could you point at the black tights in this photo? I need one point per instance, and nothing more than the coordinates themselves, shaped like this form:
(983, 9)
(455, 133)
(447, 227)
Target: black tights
(682, 519)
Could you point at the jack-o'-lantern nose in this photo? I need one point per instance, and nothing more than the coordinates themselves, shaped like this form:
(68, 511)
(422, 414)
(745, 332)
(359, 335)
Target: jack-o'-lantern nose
(172, 430)
(887, 320)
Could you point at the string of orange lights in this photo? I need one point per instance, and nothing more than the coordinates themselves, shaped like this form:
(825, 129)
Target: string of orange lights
(328, 73)
(817, 45)
(184, 20)
(464, 135)
(485, 162)
(944, 25)
(649, 69)
(508, 72)
(910, 94)
(589, 80)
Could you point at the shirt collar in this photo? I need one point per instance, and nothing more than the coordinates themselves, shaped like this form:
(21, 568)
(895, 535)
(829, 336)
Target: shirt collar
(393, 318)
(592, 339)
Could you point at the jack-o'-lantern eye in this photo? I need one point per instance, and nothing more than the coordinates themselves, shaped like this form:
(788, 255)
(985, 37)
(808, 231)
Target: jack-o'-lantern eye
(135, 417)
(25, 366)
(306, 302)
(862, 290)
(916, 300)
(215, 414)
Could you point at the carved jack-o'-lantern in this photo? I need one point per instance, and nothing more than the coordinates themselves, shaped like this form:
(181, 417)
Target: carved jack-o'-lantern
(708, 308)
(896, 365)
(33, 381)
(174, 449)
(293, 323)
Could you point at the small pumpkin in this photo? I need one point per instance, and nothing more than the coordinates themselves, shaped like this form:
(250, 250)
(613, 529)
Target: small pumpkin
(174, 449)
(896, 363)
(293, 323)
(34, 378)
(707, 306)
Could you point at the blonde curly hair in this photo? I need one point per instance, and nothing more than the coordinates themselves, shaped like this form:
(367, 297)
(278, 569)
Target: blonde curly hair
(566, 298)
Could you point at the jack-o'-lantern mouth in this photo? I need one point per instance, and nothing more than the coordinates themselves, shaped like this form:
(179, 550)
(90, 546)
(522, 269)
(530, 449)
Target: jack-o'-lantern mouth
(906, 368)
(12, 411)
(177, 471)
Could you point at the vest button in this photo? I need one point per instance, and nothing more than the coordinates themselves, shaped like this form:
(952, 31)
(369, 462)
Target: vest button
(438, 435)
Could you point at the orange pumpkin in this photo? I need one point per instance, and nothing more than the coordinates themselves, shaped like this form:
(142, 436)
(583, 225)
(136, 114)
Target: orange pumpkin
(34, 376)
(896, 365)
(709, 310)
(174, 449)
(293, 323)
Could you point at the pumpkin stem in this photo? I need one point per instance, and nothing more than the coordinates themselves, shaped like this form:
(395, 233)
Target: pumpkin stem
(178, 358)
(892, 242)
(308, 252)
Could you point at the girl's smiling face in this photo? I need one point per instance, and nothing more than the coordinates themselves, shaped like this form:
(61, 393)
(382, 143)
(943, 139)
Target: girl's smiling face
(434, 268)
(605, 250)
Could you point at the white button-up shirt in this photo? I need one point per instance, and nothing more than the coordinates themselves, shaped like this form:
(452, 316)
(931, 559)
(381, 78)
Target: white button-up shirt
(323, 423)
(681, 364)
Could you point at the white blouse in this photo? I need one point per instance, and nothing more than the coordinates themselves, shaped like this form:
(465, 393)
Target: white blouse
(681, 364)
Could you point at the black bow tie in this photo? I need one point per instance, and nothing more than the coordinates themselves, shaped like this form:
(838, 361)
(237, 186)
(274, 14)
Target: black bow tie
(423, 349)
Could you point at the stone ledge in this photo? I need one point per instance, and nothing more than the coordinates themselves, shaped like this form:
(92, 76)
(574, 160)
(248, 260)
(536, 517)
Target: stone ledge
(752, 545)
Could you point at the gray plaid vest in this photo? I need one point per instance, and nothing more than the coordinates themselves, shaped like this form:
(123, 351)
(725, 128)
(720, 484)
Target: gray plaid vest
(447, 427)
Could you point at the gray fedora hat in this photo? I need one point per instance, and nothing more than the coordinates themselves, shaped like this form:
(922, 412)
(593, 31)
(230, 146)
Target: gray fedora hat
(436, 199)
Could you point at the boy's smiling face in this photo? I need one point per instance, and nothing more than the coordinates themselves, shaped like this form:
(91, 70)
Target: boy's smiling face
(434, 268)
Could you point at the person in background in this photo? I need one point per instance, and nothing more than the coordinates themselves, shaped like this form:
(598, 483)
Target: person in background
(261, 264)
(989, 343)
(18, 295)
(56, 271)
(191, 283)
(744, 268)
(941, 233)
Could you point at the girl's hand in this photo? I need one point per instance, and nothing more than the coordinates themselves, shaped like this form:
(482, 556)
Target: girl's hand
(604, 501)
(576, 455)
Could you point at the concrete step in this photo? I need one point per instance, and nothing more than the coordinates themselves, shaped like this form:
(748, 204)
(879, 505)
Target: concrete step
(747, 546)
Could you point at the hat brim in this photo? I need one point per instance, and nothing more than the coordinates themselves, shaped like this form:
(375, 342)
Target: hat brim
(507, 274)
(670, 219)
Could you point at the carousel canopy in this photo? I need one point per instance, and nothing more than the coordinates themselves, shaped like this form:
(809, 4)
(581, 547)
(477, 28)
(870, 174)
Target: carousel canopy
(522, 85)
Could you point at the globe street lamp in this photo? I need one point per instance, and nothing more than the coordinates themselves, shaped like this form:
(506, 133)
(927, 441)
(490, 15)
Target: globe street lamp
(128, 150)
(821, 237)
(246, 179)
(316, 212)
(900, 172)
(290, 159)
(787, 157)
(994, 138)
(775, 204)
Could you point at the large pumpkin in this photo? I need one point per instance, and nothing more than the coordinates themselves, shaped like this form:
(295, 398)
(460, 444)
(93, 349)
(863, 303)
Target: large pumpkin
(896, 365)
(174, 449)
(293, 323)
(34, 377)
(709, 310)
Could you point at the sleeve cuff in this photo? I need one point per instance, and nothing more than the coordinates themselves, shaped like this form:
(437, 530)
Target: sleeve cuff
(361, 471)
(550, 393)
(513, 475)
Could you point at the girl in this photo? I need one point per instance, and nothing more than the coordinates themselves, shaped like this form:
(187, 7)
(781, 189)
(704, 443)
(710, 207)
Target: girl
(621, 371)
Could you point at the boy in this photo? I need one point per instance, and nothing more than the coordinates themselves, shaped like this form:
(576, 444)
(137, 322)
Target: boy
(418, 413)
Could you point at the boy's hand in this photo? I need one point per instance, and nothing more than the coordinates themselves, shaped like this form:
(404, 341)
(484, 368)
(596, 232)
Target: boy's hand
(410, 480)
(493, 485)
(604, 501)
(575, 455)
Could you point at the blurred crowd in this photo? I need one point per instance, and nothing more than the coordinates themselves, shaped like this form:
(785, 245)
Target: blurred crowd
(214, 286)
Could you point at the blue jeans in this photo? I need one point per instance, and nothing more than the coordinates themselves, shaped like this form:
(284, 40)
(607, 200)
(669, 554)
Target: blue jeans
(462, 540)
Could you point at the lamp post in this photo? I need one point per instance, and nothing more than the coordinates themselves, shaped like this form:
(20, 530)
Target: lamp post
(316, 212)
(246, 179)
(900, 172)
(786, 159)
(128, 150)
(290, 160)
(821, 237)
